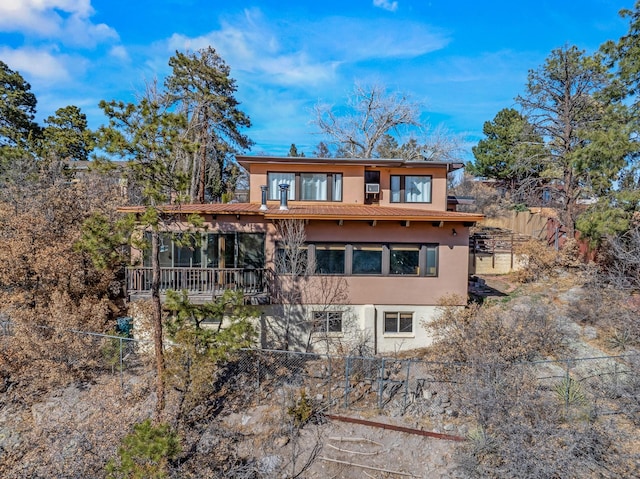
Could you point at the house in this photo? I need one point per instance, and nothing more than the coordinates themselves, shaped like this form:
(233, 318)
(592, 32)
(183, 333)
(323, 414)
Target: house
(378, 245)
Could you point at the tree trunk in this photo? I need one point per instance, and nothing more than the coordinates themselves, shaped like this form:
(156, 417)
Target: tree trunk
(203, 161)
(157, 323)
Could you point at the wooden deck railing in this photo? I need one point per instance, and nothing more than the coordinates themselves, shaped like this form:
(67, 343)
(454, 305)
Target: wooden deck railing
(199, 280)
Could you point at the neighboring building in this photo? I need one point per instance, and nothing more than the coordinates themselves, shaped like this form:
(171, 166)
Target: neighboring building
(382, 246)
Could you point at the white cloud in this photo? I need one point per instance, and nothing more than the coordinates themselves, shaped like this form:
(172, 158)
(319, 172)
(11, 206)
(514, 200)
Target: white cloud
(40, 65)
(119, 52)
(253, 46)
(65, 20)
(386, 5)
(309, 54)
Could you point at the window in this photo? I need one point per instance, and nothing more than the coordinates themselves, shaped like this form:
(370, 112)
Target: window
(234, 250)
(306, 186)
(393, 259)
(410, 189)
(329, 258)
(432, 260)
(274, 180)
(397, 322)
(336, 187)
(404, 259)
(367, 259)
(313, 186)
(292, 261)
(179, 250)
(327, 322)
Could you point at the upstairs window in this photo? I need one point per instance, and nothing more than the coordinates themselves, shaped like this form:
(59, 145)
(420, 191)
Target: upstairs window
(292, 260)
(306, 186)
(404, 259)
(367, 259)
(313, 186)
(274, 181)
(410, 189)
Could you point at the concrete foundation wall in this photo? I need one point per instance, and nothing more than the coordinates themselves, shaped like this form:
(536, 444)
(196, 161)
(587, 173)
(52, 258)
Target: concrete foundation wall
(497, 263)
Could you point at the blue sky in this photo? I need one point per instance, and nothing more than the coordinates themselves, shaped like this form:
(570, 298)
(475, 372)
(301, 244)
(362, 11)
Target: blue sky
(462, 61)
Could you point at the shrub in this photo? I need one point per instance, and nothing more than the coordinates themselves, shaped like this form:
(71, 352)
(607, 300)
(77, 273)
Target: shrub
(538, 261)
(145, 453)
(492, 334)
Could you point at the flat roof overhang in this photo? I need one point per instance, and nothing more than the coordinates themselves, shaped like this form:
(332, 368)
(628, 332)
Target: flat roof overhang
(316, 212)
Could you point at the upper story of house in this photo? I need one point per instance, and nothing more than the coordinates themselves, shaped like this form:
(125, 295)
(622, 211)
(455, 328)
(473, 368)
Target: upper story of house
(339, 181)
(381, 225)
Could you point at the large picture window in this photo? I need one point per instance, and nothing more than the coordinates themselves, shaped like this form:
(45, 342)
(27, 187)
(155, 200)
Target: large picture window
(410, 189)
(404, 259)
(367, 259)
(274, 181)
(329, 259)
(306, 186)
(398, 322)
(211, 250)
(313, 186)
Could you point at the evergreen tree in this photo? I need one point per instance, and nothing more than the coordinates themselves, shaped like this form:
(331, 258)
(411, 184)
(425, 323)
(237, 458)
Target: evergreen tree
(146, 135)
(586, 131)
(202, 88)
(18, 130)
(66, 136)
(387, 147)
(322, 151)
(293, 152)
(512, 152)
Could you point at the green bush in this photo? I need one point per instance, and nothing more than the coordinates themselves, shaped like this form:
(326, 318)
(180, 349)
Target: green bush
(145, 453)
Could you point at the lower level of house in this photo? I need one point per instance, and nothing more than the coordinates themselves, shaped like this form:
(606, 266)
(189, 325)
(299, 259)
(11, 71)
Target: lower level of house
(358, 329)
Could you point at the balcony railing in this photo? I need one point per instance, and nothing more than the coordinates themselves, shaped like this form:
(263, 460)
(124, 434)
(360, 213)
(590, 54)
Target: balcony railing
(200, 280)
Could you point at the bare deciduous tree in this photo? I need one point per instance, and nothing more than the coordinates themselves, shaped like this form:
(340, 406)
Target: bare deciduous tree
(372, 114)
(297, 286)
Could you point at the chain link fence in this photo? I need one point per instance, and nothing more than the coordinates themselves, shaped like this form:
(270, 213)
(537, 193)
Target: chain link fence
(73, 350)
(598, 386)
(606, 385)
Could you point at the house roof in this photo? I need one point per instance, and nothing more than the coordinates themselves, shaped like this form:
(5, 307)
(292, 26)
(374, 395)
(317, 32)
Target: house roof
(245, 161)
(315, 211)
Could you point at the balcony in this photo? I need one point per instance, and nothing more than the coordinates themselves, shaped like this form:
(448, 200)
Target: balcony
(199, 282)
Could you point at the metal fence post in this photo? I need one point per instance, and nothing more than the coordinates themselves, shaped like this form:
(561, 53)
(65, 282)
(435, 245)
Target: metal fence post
(406, 388)
(347, 365)
(121, 366)
(329, 383)
(567, 379)
(381, 383)
(258, 374)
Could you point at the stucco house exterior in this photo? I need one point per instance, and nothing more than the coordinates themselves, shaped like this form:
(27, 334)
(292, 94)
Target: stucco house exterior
(379, 250)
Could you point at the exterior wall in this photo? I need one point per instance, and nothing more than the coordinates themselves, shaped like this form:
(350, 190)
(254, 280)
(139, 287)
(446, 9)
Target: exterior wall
(363, 329)
(352, 188)
(453, 253)
(497, 263)
(353, 182)
(438, 187)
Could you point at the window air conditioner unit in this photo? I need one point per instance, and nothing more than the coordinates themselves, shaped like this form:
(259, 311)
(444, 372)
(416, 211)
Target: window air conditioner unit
(372, 188)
